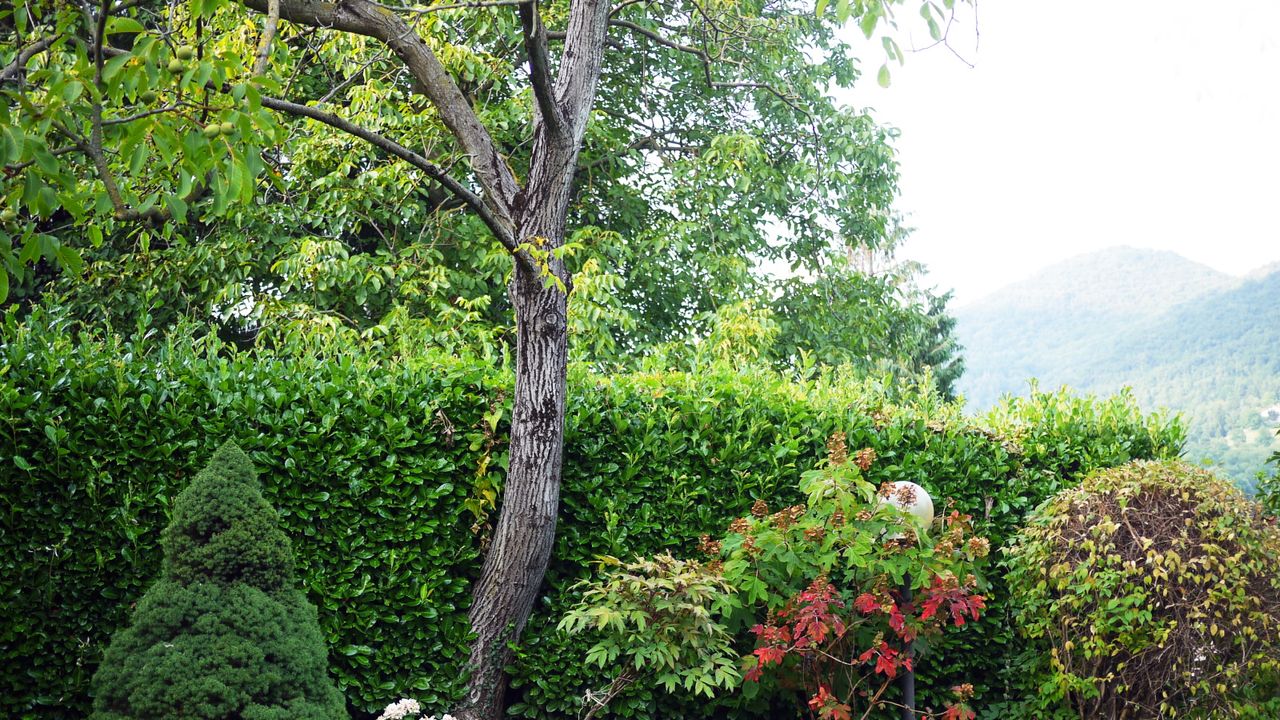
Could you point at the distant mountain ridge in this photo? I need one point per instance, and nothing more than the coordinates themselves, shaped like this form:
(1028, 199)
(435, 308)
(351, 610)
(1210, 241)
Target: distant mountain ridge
(1181, 334)
(1116, 279)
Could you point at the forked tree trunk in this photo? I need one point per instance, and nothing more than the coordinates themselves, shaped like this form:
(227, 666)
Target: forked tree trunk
(525, 532)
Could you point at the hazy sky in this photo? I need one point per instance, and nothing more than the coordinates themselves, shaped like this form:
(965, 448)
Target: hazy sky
(1084, 125)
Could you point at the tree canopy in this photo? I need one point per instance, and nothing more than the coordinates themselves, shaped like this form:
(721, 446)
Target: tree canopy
(340, 164)
(714, 145)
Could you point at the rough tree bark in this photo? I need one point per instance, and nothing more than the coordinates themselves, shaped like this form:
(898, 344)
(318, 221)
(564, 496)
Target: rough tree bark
(529, 221)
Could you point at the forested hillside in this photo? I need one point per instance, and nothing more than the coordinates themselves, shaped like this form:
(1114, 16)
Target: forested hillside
(1181, 334)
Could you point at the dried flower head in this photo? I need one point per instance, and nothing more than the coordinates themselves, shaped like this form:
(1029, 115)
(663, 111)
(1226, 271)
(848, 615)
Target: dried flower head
(708, 546)
(963, 692)
(740, 526)
(815, 534)
(759, 509)
(906, 495)
(979, 547)
(837, 449)
(781, 519)
(864, 458)
(837, 518)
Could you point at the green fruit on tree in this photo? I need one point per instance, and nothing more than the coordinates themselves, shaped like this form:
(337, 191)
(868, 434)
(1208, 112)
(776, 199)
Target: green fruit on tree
(227, 128)
(211, 130)
(177, 66)
(9, 215)
(185, 52)
(148, 96)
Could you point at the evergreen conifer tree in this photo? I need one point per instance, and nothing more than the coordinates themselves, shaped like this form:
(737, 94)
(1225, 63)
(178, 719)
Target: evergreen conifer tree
(223, 633)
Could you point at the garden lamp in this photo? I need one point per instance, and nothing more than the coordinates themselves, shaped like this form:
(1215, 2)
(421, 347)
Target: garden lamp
(915, 501)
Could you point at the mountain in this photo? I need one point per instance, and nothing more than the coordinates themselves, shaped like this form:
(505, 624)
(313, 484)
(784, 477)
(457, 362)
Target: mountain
(1183, 335)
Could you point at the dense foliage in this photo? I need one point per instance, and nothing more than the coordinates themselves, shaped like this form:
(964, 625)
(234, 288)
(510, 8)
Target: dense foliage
(1150, 591)
(823, 586)
(384, 468)
(1181, 334)
(694, 167)
(224, 632)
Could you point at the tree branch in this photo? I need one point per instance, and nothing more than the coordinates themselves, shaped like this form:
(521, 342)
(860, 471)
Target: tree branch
(14, 169)
(268, 34)
(661, 40)
(649, 142)
(580, 70)
(139, 115)
(452, 6)
(363, 17)
(706, 61)
(395, 149)
(535, 43)
(13, 69)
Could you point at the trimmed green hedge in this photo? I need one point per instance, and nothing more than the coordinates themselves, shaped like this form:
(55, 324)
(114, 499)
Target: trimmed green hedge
(381, 468)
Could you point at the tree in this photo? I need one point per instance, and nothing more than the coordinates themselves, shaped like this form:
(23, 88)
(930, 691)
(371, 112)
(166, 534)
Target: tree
(224, 632)
(159, 126)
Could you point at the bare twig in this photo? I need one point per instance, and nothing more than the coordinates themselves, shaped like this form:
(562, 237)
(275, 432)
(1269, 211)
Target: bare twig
(138, 116)
(535, 43)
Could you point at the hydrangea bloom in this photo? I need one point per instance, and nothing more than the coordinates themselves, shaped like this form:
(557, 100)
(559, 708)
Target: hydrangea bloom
(409, 708)
(401, 709)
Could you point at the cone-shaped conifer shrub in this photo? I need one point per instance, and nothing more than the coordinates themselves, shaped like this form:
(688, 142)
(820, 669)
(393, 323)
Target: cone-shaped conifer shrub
(223, 633)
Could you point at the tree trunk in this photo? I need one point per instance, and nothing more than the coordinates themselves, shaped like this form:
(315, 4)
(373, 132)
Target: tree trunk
(525, 532)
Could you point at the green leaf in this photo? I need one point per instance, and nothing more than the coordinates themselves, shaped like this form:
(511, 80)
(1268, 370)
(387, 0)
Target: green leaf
(112, 67)
(123, 24)
(177, 207)
(14, 141)
(869, 22)
(883, 76)
(69, 258)
(139, 158)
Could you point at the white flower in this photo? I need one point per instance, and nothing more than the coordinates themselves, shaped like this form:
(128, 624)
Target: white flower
(401, 709)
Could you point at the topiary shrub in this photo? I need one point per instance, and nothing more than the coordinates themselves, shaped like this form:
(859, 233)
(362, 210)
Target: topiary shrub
(1150, 591)
(223, 633)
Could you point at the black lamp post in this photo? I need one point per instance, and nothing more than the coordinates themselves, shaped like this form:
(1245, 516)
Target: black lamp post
(915, 501)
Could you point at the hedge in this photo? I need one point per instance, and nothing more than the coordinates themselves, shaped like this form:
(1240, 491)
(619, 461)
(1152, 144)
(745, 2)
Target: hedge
(383, 470)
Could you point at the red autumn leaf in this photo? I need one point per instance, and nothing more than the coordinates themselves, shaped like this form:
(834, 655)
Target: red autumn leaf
(931, 606)
(897, 621)
(866, 603)
(886, 666)
(840, 711)
(958, 712)
(770, 655)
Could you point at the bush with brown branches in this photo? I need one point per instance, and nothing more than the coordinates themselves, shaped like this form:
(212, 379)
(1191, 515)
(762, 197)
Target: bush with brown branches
(1150, 591)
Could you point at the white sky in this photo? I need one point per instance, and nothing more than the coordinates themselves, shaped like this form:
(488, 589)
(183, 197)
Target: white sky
(1084, 125)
